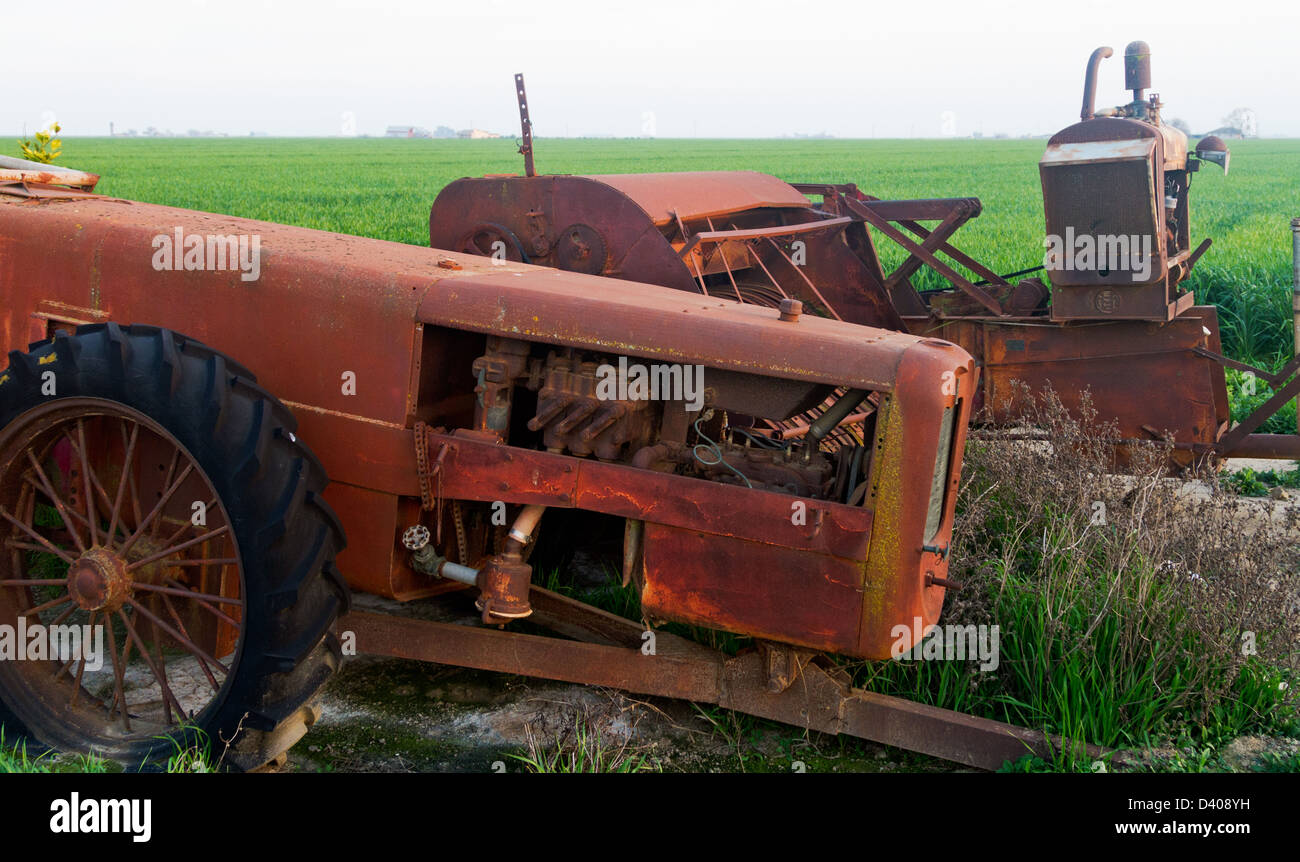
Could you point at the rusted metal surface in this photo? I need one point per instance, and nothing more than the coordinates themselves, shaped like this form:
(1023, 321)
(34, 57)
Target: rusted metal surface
(25, 172)
(452, 346)
(694, 195)
(728, 234)
(1120, 172)
(1190, 403)
(772, 682)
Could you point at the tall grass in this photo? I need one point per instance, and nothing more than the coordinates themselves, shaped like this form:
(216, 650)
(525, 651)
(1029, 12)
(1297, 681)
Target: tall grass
(1121, 631)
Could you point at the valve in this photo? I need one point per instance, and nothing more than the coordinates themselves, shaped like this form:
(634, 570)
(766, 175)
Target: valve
(423, 556)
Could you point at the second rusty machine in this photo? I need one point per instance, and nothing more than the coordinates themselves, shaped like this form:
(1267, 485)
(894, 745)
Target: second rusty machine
(1116, 182)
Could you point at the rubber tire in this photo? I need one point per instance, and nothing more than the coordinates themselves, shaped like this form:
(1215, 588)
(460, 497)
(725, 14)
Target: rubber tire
(270, 484)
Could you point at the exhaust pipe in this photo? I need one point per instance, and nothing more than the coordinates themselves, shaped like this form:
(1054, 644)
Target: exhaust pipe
(1090, 82)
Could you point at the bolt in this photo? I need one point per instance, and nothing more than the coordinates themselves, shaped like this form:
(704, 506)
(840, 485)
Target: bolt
(790, 310)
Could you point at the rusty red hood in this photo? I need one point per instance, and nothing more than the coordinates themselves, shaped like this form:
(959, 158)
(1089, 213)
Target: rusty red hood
(355, 293)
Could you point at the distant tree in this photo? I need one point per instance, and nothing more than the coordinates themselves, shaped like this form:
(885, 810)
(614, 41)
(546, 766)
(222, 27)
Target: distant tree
(1244, 121)
(1181, 125)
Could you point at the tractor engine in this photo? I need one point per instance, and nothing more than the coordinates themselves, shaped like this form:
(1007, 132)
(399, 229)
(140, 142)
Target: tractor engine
(662, 417)
(1115, 190)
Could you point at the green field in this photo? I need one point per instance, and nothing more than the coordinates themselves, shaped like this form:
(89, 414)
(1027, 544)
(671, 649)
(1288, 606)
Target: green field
(383, 188)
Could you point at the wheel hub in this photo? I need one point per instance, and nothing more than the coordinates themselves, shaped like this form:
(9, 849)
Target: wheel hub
(98, 580)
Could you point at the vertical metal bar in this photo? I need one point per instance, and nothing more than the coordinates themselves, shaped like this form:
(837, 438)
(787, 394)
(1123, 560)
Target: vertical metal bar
(725, 263)
(527, 125)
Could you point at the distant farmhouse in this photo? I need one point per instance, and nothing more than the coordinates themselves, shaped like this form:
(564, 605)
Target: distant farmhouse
(440, 132)
(1230, 132)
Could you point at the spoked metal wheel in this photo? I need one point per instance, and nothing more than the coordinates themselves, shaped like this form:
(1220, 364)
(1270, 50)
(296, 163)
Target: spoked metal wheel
(492, 240)
(166, 555)
(122, 566)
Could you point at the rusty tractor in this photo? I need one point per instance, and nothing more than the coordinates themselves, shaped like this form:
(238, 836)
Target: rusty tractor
(180, 383)
(1119, 252)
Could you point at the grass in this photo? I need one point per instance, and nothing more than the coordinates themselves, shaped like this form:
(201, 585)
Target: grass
(15, 757)
(1258, 483)
(190, 757)
(1160, 626)
(583, 747)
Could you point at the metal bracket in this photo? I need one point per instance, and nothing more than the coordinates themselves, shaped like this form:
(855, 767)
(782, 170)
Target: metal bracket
(526, 148)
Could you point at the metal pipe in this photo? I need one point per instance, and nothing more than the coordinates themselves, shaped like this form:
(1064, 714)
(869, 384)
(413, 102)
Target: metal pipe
(522, 529)
(832, 417)
(457, 572)
(801, 428)
(1090, 82)
(1280, 447)
(1295, 297)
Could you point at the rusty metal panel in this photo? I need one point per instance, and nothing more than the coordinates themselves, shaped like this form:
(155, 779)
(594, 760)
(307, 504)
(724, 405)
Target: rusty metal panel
(633, 319)
(677, 669)
(785, 594)
(703, 194)
(478, 470)
(1180, 391)
(906, 567)
(324, 286)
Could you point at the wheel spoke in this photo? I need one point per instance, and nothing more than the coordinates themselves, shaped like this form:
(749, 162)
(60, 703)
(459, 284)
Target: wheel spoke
(122, 482)
(18, 582)
(81, 669)
(134, 487)
(152, 516)
(162, 679)
(171, 609)
(52, 603)
(77, 516)
(181, 590)
(211, 506)
(45, 543)
(167, 479)
(203, 604)
(184, 641)
(100, 493)
(58, 621)
(144, 654)
(119, 671)
(176, 549)
(86, 475)
(57, 500)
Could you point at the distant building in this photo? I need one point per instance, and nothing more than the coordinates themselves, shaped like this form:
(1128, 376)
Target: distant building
(476, 134)
(444, 132)
(1229, 132)
(407, 132)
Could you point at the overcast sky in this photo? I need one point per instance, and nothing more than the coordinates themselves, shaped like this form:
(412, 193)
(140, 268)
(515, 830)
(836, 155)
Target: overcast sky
(673, 69)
